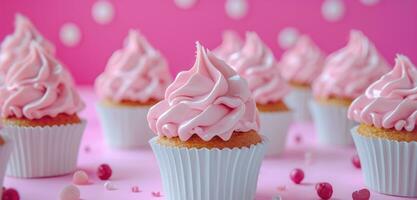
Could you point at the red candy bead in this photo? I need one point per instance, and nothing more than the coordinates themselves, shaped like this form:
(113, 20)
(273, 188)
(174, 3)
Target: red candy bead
(297, 175)
(356, 162)
(104, 172)
(324, 190)
(10, 194)
(363, 194)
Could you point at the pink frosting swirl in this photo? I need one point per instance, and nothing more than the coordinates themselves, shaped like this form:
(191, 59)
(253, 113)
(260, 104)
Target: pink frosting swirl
(256, 63)
(350, 70)
(303, 62)
(16, 46)
(391, 101)
(231, 44)
(208, 100)
(38, 86)
(137, 72)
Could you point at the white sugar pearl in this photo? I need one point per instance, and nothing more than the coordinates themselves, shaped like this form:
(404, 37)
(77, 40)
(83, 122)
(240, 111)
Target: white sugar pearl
(185, 4)
(369, 2)
(277, 197)
(333, 10)
(69, 192)
(109, 185)
(102, 12)
(236, 9)
(287, 37)
(70, 34)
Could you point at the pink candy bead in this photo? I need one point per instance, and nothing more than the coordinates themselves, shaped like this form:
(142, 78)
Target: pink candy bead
(80, 177)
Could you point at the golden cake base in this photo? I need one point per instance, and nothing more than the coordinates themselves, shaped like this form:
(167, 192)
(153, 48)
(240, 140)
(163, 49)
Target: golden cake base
(238, 140)
(390, 134)
(61, 119)
(129, 103)
(335, 101)
(299, 85)
(272, 107)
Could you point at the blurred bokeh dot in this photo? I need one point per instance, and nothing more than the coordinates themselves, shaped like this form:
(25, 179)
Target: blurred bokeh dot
(70, 34)
(102, 12)
(287, 37)
(333, 10)
(236, 9)
(369, 2)
(185, 4)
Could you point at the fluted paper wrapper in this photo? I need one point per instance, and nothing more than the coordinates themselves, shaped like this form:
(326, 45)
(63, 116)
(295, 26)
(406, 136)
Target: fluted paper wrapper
(298, 101)
(331, 123)
(204, 174)
(124, 127)
(388, 166)
(44, 151)
(5, 151)
(274, 125)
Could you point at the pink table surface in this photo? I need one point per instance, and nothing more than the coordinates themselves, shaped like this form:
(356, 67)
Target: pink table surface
(139, 168)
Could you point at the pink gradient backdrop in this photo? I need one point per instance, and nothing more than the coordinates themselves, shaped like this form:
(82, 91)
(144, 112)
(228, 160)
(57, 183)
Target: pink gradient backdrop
(391, 24)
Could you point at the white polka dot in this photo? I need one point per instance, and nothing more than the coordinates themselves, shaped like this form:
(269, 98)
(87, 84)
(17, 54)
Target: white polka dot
(287, 37)
(70, 34)
(333, 10)
(236, 9)
(369, 2)
(102, 12)
(185, 4)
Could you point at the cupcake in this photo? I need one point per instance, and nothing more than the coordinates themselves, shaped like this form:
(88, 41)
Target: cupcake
(231, 44)
(300, 65)
(135, 78)
(386, 138)
(39, 106)
(15, 47)
(208, 146)
(256, 63)
(346, 75)
(5, 150)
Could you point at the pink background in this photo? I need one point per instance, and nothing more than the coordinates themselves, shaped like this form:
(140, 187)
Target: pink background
(391, 24)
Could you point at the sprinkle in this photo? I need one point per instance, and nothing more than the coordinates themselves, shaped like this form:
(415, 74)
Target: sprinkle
(156, 194)
(135, 189)
(109, 185)
(80, 177)
(69, 192)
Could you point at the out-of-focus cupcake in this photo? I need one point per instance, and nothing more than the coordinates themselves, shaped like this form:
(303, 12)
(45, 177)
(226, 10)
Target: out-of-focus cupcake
(135, 78)
(231, 44)
(39, 106)
(386, 138)
(300, 66)
(5, 150)
(207, 145)
(347, 74)
(256, 63)
(15, 47)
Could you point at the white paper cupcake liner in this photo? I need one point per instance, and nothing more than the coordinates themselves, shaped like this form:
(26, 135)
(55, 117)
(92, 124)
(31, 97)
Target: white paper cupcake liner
(298, 101)
(388, 166)
(124, 127)
(44, 151)
(274, 125)
(331, 123)
(204, 174)
(5, 151)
